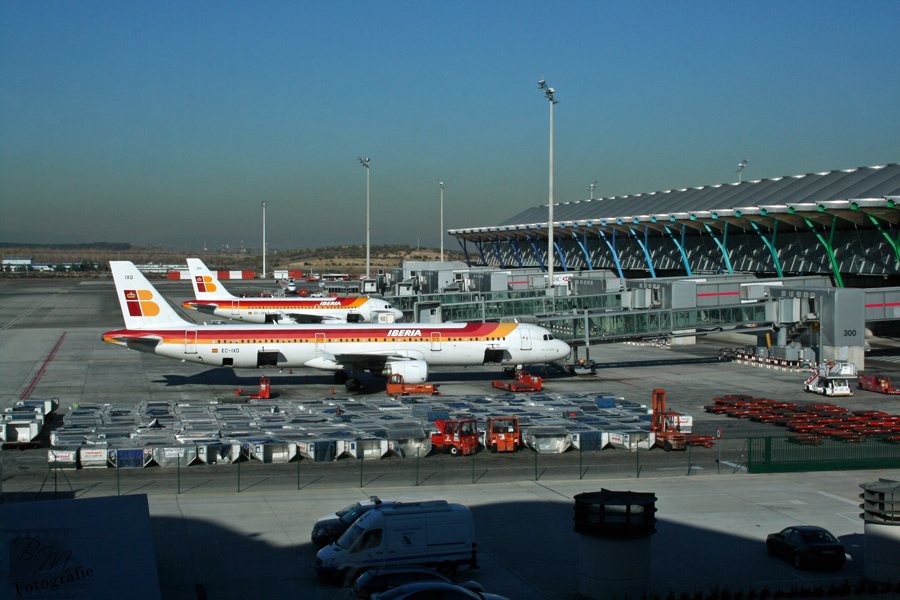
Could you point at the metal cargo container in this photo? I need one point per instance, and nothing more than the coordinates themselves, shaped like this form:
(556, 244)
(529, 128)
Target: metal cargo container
(317, 450)
(551, 439)
(94, 455)
(19, 430)
(272, 451)
(408, 442)
(64, 458)
(632, 440)
(130, 458)
(171, 456)
(590, 441)
(367, 448)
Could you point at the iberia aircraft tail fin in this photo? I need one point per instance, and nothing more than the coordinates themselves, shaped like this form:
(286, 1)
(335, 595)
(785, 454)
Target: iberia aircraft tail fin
(206, 287)
(142, 306)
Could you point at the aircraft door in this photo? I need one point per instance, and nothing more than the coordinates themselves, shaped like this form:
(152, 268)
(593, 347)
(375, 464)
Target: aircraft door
(435, 340)
(525, 336)
(320, 342)
(190, 342)
(235, 305)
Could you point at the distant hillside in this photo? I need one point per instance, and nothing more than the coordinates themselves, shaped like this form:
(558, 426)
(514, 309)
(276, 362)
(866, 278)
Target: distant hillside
(343, 259)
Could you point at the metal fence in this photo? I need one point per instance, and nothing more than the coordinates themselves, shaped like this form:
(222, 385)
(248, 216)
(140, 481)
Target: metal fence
(31, 481)
(813, 453)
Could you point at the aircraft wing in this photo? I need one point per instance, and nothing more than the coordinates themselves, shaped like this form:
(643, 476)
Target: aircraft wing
(362, 360)
(308, 318)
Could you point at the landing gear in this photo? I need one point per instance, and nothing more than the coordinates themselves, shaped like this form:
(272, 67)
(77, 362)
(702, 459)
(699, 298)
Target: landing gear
(353, 385)
(340, 377)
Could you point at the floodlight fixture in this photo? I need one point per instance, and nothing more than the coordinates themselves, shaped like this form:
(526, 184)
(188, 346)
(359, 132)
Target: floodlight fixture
(365, 163)
(548, 93)
(441, 183)
(264, 240)
(740, 168)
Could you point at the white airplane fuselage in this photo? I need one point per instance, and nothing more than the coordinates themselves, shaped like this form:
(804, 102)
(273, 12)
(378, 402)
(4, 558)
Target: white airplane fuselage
(325, 347)
(406, 349)
(268, 310)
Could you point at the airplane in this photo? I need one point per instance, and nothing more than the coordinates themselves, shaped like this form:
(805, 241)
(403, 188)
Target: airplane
(212, 298)
(383, 349)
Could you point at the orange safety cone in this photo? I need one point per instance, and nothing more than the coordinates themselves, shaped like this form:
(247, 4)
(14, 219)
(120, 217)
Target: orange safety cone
(332, 390)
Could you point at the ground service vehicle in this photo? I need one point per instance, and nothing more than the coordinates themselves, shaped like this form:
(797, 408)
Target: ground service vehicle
(330, 527)
(667, 437)
(524, 382)
(432, 534)
(877, 383)
(582, 367)
(807, 546)
(432, 590)
(666, 426)
(831, 379)
(395, 387)
(502, 434)
(381, 579)
(456, 437)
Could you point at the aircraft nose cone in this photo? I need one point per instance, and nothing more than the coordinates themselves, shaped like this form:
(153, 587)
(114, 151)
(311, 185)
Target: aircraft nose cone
(398, 314)
(565, 349)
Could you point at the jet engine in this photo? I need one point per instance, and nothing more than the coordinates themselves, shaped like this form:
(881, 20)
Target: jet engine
(413, 371)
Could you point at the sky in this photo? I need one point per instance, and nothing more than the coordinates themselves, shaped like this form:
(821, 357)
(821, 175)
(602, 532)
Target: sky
(170, 122)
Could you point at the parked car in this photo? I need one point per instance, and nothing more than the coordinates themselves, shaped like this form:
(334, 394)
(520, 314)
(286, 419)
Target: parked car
(428, 590)
(807, 546)
(434, 533)
(381, 579)
(330, 527)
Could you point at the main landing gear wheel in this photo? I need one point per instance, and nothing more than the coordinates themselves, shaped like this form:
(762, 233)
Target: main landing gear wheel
(340, 377)
(353, 385)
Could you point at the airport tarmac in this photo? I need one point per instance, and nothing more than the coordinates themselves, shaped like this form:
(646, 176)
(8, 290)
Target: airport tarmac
(220, 534)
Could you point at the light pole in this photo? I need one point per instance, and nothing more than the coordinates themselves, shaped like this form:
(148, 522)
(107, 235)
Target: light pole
(593, 183)
(264, 239)
(365, 162)
(441, 183)
(741, 166)
(548, 92)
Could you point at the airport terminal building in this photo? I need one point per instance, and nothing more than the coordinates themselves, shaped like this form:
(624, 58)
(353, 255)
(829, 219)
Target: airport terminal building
(843, 223)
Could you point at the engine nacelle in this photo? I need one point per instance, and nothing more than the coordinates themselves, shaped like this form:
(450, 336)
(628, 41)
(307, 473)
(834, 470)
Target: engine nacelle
(412, 371)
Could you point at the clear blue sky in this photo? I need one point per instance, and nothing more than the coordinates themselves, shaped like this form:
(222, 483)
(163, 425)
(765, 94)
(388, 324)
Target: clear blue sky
(169, 122)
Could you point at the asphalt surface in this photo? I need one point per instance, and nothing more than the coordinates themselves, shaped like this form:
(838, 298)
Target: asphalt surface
(224, 531)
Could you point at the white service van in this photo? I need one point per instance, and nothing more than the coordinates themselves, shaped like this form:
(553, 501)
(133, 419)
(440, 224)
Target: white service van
(433, 534)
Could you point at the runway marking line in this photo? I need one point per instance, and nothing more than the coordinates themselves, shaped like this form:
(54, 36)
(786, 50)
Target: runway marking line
(37, 377)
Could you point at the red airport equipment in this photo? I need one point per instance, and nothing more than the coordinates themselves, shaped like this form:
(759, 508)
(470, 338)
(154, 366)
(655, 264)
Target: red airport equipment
(877, 383)
(263, 393)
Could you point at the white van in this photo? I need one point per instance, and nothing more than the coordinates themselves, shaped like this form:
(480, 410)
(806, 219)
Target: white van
(433, 534)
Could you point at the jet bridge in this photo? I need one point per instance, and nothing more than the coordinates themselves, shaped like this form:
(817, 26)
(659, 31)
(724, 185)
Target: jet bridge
(833, 320)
